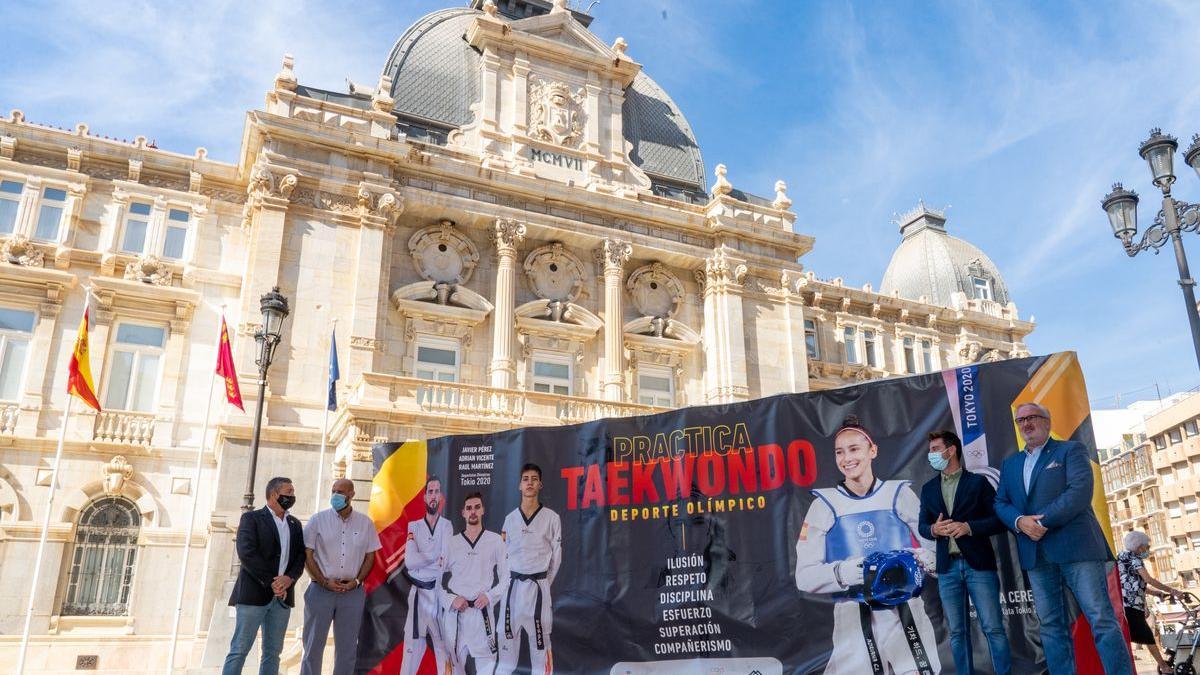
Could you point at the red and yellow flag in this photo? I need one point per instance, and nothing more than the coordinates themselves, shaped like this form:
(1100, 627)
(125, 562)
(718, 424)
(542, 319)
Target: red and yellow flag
(79, 373)
(233, 393)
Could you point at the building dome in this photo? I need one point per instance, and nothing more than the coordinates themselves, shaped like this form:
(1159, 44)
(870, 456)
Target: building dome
(930, 262)
(435, 80)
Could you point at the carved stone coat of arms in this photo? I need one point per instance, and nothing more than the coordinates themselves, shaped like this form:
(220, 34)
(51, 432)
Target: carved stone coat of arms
(555, 112)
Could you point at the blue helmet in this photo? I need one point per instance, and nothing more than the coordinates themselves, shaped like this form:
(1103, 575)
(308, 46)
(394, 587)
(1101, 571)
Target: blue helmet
(891, 578)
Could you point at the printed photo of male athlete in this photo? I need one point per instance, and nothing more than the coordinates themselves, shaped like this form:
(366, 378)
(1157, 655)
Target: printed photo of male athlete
(424, 562)
(476, 576)
(533, 535)
(860, 543)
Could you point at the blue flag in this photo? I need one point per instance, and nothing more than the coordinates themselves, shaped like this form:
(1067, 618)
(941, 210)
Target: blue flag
(334, 375)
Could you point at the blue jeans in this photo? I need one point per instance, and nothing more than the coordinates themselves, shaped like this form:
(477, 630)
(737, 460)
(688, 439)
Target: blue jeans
(984, 588)
(1088, 582)
(273, 618)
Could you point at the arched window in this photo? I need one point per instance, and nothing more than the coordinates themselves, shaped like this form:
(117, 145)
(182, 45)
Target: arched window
(105, 552)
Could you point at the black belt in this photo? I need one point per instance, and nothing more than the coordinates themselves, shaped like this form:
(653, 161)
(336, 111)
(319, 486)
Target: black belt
(487, 624)
(537, 607)
(423, 585)
(920, 657)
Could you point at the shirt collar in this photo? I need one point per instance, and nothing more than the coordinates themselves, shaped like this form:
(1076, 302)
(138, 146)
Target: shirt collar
(947, 477)
(1033, 451)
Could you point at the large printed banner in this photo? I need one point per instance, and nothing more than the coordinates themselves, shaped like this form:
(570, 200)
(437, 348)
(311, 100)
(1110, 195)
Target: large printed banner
(702, 540)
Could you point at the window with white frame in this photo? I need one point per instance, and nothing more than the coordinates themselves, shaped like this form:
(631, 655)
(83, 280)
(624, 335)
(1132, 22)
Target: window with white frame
(134, 367)
(137, 227)
(983, 288)
(175, 235)
(910, 357)
(10, 201)
(1189, 427)
(810, 339)
(656, 387)
(552, 373)
(851, 337)
(927, 355)
(437, 359)
(1174, 510)
(1189, 504)
(869, 347)
(50, 214)
(1175, 436)
(16, 329)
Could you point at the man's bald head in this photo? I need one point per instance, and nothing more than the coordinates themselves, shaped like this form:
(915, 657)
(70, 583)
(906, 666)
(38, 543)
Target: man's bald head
(344, 486)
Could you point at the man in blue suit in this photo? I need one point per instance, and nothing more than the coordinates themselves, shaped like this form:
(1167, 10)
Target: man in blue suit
(1045, 497)
(958, 512)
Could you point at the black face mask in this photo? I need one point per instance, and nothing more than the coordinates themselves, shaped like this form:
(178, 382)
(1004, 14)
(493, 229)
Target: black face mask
(286, 501)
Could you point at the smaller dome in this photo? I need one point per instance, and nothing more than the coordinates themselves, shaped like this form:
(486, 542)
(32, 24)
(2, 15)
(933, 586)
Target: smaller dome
(930, 262)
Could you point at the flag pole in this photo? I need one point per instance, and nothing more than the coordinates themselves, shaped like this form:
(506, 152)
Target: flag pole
(187, 542)
(37, 566)
(324, 426)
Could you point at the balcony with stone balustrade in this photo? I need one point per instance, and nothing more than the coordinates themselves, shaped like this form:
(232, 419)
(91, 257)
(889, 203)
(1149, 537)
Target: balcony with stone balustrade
(8, 416)
(126, 427)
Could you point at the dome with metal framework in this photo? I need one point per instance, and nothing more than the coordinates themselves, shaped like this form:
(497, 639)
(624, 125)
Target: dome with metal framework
(435, 80)
(932, 264)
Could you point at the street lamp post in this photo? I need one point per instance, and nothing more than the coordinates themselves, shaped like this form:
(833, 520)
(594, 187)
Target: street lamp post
(274, 308)
(1172, 220)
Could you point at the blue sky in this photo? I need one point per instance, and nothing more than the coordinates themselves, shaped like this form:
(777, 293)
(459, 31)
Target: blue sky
(1016, 115)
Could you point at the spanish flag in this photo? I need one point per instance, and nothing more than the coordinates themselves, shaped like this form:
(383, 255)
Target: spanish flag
(79, 373)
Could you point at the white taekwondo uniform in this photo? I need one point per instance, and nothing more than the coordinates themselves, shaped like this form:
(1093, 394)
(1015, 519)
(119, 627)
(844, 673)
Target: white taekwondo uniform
(534, 553)
(424, 562)
(473, 567)
(839, 530)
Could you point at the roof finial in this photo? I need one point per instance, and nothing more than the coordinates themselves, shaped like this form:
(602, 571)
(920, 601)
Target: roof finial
(490, 8)
(781, 199)
(723, 186)
(620, 46)
(286, 77)
(559, 6)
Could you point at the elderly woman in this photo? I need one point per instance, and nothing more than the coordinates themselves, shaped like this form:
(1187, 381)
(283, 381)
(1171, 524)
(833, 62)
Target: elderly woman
(1134, 582)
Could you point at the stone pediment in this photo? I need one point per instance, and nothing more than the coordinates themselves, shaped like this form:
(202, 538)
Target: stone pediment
(562, 28)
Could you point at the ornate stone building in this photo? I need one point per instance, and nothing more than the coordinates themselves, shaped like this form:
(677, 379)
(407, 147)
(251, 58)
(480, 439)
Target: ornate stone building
(513, 227)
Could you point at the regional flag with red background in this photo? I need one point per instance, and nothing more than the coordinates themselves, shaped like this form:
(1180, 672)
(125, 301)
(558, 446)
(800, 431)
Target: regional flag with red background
(79, 372)
(233, 393)
(397, 498)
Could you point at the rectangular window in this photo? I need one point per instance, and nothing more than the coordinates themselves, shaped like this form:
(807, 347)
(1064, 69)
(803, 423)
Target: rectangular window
(852, 346)
(552, 374)
(1189, 505)
(16, 329)
(927, 355)
(1189, 428)
(137, 222)
(656, 387)
(1173, 510)
(1160, 442)
(983, 288)
(10, 199)
(810, 339)
(175, 237)
(134, 367)
(869, 348)
(437, 359)
(49, 224)
(1175, 436)
(910, 359)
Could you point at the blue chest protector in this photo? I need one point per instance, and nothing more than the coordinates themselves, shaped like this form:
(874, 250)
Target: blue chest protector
(865, 525)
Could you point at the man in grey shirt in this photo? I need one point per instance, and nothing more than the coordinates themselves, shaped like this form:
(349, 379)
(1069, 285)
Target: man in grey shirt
(340, 545)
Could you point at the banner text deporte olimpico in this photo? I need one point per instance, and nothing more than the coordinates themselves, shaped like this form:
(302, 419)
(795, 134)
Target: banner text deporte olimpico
(706, 539)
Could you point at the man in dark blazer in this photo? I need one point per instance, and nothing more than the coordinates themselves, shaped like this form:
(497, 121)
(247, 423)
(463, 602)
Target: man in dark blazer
(270, 546)
(958, 512)
(1045, 497)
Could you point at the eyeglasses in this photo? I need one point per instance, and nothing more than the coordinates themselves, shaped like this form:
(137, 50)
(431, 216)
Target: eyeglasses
(1030, 418)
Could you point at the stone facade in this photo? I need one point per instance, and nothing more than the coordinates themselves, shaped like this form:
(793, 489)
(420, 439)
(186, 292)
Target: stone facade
(520, 270)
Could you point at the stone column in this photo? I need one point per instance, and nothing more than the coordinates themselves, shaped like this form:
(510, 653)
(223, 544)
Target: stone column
(380, 209)
(724, 336)
(612, 255)
(42, 348)
(507, 235)
(263, 227)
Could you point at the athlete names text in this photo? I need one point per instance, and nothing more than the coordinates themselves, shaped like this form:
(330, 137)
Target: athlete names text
(475, 465)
